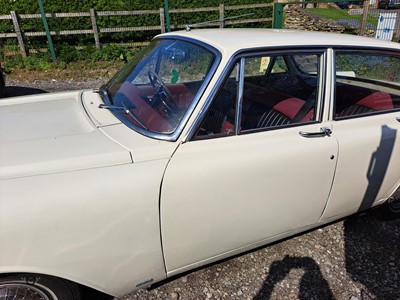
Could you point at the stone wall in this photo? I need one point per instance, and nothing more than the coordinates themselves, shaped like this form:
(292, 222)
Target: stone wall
(298, 18)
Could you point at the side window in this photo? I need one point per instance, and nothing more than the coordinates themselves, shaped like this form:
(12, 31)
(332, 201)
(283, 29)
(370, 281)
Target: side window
(366, 83)
(307, 64)
(281, 93)
(276, 91)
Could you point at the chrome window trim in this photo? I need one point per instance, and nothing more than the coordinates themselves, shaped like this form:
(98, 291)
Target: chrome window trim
(368, 114)
(236, 58)
(272, 128)
(239, 100)
(330, 83)
(322, 81)
(172, 137)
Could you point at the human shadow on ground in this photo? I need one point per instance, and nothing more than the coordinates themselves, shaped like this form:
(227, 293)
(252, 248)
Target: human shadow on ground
(312, 284)
(372, 244)
(15, 91)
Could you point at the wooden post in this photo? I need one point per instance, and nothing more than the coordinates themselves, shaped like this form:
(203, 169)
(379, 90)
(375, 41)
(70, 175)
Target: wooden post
(363, 25)
(162, 20)
(95, 29)
(18, 32)
(221, 15)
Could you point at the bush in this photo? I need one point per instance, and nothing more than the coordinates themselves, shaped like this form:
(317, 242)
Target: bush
(38, 61)
(77, 23)
(75, 47)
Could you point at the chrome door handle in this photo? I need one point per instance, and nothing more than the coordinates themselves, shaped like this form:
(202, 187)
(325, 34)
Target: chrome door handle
(324, 131)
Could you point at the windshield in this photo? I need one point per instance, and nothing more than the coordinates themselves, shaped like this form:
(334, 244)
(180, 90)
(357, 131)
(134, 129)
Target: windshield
(155, 90)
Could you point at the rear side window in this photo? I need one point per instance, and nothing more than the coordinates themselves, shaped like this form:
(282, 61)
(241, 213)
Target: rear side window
(366, 83)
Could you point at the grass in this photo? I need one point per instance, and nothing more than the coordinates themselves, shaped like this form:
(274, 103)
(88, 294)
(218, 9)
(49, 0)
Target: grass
(342, 15)
(74, 70)
(71, 61)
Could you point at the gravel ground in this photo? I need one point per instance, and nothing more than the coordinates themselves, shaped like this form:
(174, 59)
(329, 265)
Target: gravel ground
(19, 87)
(354, 259)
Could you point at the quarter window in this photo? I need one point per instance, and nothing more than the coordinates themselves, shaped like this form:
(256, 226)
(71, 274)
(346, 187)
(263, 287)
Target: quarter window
(220, 118)
(366, 84)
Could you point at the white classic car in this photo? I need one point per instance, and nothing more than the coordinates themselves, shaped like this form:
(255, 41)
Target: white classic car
(208, 144)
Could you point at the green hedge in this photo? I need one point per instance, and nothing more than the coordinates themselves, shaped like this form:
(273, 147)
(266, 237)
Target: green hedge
(53, 6)
(57, 24)
(75, 23)
(65, 45)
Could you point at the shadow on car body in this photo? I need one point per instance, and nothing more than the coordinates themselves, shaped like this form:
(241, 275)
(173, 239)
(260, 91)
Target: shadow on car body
(372, 254)
(378, 166)
(371, 241)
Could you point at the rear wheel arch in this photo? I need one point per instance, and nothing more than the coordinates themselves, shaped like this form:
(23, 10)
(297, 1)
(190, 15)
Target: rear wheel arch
(391, 209)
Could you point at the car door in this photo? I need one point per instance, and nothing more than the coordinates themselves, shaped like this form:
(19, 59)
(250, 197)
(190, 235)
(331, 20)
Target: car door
(259, 165)
(366, 122)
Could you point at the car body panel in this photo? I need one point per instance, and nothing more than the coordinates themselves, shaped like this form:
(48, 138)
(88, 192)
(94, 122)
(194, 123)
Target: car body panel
(100, 117)
(367, 172)
(142, 148)
(91, 226)
(365, 178)
(53, 138)
(231, 187)
(226, 40)
(52, 133)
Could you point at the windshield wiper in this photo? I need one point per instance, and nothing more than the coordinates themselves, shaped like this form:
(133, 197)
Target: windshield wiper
(125, 109)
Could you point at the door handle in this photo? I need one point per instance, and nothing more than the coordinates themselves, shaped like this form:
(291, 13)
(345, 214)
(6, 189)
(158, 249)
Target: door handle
(324, 131)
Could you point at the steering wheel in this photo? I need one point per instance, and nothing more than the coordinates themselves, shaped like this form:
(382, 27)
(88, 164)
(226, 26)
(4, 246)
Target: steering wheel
(155, 78)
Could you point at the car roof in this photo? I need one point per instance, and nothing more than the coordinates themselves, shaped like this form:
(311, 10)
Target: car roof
(233, 40)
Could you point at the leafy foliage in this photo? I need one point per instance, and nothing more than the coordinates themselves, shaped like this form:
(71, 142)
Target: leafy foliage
(380, 67)
(71, 48)
(78, 23)
(342, 16)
